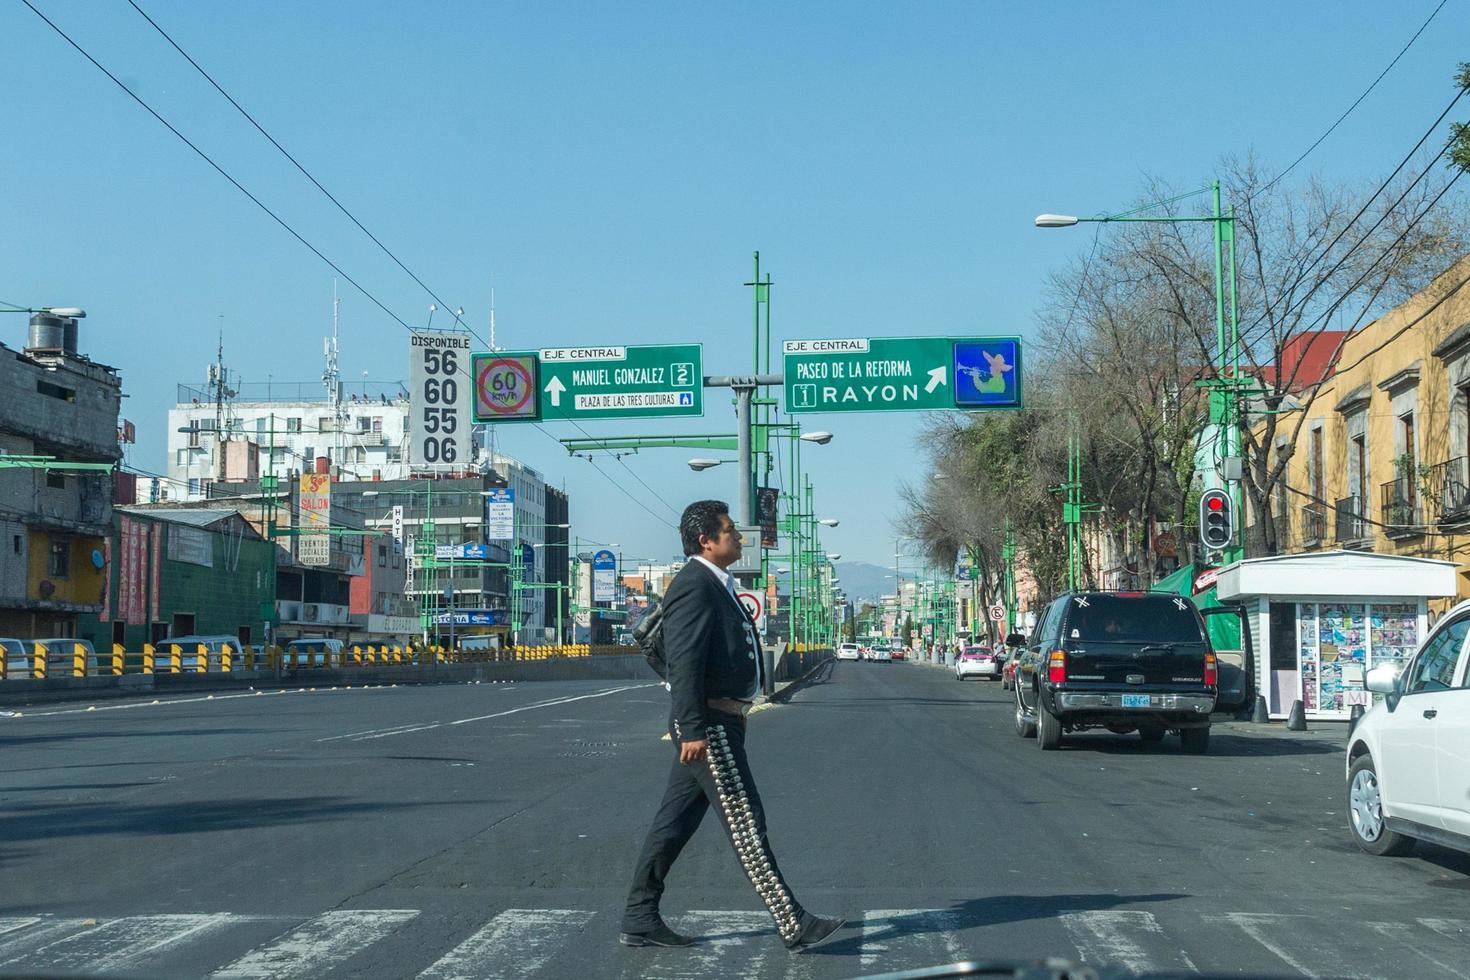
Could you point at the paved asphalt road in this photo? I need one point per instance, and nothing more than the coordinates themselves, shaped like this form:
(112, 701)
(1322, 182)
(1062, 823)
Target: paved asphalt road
(489, 830)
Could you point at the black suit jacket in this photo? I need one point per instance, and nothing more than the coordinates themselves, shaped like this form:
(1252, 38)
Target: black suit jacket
(710, 644)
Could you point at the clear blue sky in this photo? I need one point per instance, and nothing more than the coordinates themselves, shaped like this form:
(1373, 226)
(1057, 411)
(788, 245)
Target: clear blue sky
(609, 168)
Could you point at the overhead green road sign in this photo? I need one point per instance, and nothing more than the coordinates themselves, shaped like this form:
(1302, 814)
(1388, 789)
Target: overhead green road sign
(581, 383)
(895, 374)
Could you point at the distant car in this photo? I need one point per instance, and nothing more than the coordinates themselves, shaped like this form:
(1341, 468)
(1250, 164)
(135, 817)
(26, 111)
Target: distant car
(1407, 766)
(214, 646)
(976, 661)
(1008, 673)
(880, 656)
(61, 654)
(314, 651)
(848, 651)
(897, 653)
(17, 654)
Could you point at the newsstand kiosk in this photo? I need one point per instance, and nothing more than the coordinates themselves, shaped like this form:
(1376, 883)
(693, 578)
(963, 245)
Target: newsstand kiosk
(1319, 621)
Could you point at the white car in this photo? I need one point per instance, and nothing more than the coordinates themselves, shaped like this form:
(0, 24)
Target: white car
(848, 651)
(880, 655)
(977, 662)
(1408, 759)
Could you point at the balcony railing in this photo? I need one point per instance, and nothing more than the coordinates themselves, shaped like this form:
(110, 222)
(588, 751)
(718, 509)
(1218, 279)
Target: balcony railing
(1447, 491)
(1400, 508)
(1314, 523)
(1350, 523)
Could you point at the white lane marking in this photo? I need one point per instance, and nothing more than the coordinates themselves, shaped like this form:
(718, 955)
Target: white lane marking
(515, 943)
(318, 945)
(12, 923)
(159, 702)
(1102, 937)
(551, 703)
(120, 943)
(1453, 928)
(722, 940)
(368, 731)
(547, 704)
(34, 932)
(1253, 924)
(1408, 937)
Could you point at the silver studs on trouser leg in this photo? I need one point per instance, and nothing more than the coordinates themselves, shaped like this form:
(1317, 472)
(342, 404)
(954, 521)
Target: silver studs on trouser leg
(749, 846)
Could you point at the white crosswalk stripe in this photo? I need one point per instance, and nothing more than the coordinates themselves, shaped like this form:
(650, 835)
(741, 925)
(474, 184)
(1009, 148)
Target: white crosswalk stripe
(1123, 936)
(318, 944)
(534, 943)
(120, 944)
(924, 935)
(515, 943)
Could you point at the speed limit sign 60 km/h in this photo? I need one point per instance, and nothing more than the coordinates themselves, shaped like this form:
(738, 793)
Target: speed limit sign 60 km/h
(505, 386)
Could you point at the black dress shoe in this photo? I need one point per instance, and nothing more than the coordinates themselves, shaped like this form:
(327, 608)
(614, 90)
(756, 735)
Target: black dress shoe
(815, 933)
(661, 936)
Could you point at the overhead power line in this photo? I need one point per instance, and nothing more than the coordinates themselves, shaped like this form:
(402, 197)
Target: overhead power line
(1374, 84)
(281, 221)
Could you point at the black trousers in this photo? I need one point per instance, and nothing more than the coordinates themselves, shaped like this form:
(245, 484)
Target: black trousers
(724, 782)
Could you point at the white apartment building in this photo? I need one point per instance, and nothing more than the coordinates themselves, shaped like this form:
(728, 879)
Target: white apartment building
(530, 499)
(290, 432)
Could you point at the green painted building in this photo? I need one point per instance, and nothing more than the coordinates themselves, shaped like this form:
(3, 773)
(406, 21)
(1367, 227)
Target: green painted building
(174, 571)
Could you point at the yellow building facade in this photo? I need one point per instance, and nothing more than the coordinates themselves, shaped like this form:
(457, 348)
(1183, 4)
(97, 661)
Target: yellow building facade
(1381, 458)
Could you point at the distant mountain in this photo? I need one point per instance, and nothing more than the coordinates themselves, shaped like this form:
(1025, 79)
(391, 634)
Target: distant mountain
(861, 580)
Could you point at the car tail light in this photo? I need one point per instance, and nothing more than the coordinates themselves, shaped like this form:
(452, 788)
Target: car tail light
(1211, 674)
(1056, 667)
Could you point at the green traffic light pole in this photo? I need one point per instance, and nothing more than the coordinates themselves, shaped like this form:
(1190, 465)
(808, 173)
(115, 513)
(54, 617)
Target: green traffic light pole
(1225, 389)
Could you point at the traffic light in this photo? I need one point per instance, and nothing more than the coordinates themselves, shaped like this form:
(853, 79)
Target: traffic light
(1216, 520)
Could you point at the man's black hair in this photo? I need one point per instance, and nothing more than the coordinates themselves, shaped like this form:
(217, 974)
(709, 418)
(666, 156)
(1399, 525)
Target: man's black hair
(701, 518)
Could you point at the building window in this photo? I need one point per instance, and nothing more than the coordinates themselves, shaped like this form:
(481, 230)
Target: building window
(182, 457)
(364, 424)
(310, 456)
(324, 424)
(56, 391)
(1358, 470)
(55, 480)
(1408, 470)
(260, 426)
(377, 425)
(58, 559)
(395, 454)
(293, 423)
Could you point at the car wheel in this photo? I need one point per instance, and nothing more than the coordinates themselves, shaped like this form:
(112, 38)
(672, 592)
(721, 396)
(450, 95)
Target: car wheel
(1048, 727)
(1196, 741)
(1151, 734)
(1365, 813)
(1025, 727)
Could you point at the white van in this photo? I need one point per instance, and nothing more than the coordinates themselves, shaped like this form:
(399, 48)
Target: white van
(314, 651)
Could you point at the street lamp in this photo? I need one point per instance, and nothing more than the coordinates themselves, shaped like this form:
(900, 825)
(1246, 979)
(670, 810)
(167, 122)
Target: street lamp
(1055, 220)
(829, 522)
(834, 557)
(700, 464)
(821, 438)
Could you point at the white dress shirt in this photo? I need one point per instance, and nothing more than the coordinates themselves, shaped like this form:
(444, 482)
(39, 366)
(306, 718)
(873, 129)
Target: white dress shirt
(728, 581)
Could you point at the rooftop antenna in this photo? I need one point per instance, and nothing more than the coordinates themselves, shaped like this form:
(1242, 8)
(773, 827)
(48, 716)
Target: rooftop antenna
(219, 382)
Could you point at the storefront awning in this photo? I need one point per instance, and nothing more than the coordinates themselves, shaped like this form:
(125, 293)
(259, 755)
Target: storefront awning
(1338, 574)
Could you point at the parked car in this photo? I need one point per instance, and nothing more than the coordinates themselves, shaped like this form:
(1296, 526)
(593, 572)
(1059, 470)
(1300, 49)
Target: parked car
(881, 655)
(213, 647)
(1408, 758)
(847, 651)
(1123, 661)
(977, 661)
(61, 654)
(1008, 673)
(314, 651)
(17, 654)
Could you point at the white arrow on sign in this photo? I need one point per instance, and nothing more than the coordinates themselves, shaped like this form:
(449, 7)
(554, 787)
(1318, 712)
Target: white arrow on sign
(556, 388)
(938, 376)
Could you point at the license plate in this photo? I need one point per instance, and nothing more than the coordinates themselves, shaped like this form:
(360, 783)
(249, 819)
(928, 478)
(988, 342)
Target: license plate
(1135, 700)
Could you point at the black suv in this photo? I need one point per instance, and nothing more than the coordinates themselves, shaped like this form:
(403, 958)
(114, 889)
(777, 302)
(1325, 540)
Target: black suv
(1123, 661)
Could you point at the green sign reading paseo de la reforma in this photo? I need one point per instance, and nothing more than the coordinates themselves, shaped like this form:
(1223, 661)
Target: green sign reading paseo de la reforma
(896, 374)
